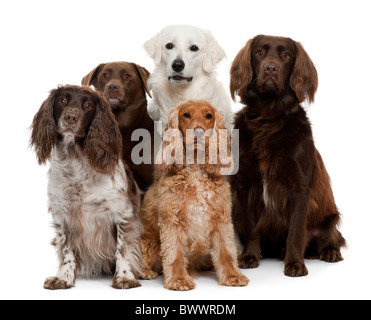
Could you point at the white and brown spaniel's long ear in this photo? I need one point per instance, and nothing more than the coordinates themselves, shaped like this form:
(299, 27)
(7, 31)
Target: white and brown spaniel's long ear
(304, 78)
(153, 47)
(241, 72)
(171, 153)
(91, 77)
(213, 53)
(44, 129)
(143, 74)
(103, 144)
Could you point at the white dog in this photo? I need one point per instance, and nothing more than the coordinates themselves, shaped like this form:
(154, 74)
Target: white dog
(185, 58)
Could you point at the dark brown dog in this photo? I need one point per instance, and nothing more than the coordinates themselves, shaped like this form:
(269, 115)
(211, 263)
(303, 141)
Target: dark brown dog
(124, 84)
(284, 201)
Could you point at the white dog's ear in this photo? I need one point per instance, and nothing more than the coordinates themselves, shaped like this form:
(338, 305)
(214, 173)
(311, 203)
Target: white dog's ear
(213, 53)
(153, 48)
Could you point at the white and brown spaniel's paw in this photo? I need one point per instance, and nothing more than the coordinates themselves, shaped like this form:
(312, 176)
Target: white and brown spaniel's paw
(55, 283)
(125, 283)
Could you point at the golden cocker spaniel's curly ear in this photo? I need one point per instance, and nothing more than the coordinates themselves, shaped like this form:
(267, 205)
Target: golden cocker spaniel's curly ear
(219, 153)
(171, 154)
(304, 78)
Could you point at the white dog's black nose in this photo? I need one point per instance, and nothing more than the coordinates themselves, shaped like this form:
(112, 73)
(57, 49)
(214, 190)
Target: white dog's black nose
(178, 65)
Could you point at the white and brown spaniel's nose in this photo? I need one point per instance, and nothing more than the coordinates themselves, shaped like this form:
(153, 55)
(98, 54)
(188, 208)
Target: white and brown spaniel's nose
(71, 117)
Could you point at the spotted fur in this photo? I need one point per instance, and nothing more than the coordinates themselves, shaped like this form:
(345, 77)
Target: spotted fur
(95, 213)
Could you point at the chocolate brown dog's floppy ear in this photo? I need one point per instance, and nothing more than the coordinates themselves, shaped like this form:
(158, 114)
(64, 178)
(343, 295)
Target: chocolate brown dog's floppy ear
(241, 71)
(44, 129)
(304, 78)
(91, 77)
(143, 74)
(103, 144)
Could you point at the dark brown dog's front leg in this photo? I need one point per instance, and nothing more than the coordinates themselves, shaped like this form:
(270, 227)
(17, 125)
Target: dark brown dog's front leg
(297, 238)
(251, 253)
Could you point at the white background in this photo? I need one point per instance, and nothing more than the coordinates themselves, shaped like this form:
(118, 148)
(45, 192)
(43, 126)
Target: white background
(46, 43)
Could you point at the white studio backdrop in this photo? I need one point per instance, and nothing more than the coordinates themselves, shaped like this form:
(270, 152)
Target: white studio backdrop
(47, 43)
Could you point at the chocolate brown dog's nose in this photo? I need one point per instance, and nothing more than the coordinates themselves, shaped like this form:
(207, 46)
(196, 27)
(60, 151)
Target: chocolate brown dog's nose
(113, 87)
(270, 69)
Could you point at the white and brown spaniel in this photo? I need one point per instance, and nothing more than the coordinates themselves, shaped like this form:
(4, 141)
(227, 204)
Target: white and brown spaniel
(92, 196)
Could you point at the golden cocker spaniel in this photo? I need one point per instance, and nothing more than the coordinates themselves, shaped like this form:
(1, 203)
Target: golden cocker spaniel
(187, 212)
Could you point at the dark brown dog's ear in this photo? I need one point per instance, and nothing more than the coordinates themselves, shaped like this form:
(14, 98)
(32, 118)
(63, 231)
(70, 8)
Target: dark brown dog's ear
(143, 74)
(241, 71)
(91, 77)
(44, 129)
(304, 78)
(103, 144)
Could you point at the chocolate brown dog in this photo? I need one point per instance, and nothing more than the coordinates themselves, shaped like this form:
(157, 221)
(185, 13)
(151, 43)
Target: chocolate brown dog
(285, 205)
(124, 84)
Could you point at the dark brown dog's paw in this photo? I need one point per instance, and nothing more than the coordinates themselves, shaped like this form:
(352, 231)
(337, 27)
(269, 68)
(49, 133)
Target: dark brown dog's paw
(248, 262)
(124, 283)
(331, 255)
(295, 269)
(55, 283)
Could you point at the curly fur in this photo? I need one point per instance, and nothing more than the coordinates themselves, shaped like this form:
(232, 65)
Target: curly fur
(187, 220)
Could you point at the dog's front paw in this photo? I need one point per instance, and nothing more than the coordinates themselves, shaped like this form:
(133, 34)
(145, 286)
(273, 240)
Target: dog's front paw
(124, 283)
(55, 283)
(235, 281)
(148, 275)
(180, 285)
(331, 255)
(248, 262)
(295, 269)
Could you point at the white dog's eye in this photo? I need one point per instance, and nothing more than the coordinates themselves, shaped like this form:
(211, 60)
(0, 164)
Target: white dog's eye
(194, 48)
(169, 46)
